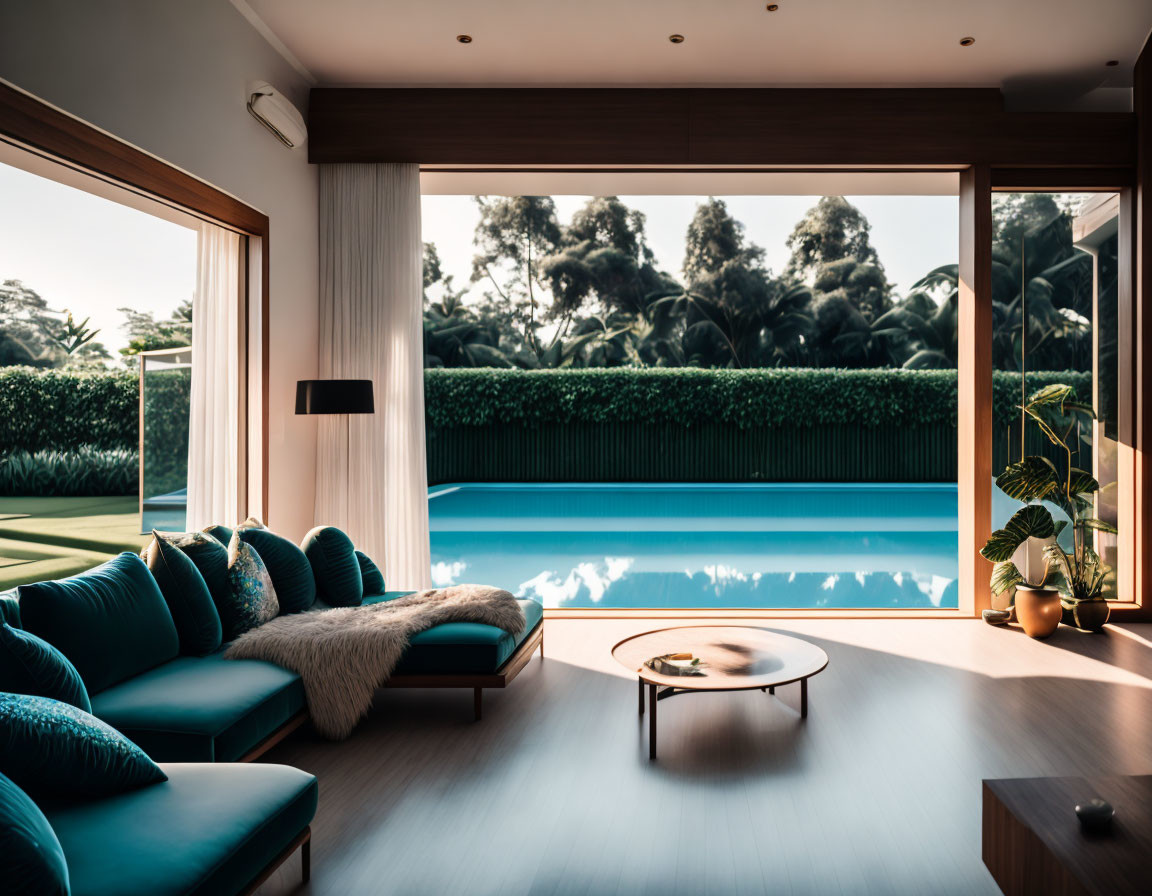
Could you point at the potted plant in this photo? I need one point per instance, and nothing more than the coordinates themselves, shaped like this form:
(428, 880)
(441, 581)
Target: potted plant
(1067, 579)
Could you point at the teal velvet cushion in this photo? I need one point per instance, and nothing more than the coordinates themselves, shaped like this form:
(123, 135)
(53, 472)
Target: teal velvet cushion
(210, 557)
(50, 748)
(30, 665)
(202, 708)
(111, 621)
(252, 597)
(224, 535)
(31, 858)
(10, 608)
(186, 593)
(370, 574)
(209, 830)
(334, 566)
(289, 568)
(221, 533)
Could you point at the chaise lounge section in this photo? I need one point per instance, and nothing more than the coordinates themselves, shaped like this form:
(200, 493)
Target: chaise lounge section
(209, 829)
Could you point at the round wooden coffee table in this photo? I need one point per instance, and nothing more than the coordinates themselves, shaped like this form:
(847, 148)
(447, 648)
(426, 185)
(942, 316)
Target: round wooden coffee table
(733, 658)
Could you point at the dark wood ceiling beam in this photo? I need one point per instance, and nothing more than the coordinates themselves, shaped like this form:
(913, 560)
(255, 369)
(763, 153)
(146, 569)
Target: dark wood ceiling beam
(805, 127)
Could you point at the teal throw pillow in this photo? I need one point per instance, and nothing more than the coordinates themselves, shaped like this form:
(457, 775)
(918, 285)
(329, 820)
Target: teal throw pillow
(186, 593)
(210, 557)
(334, 567)
(370, 574)
(111, 621)
(221, 533)
(31, 859)
(30, 665)
(290, 570)
(252, 597)
(49, 748)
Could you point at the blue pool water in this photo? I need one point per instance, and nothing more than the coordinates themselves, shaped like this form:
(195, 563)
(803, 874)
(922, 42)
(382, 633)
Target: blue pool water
(778, 545)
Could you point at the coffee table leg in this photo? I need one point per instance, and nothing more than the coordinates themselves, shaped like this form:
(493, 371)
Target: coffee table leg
(652, 721)
(641, 681)
(803, 698)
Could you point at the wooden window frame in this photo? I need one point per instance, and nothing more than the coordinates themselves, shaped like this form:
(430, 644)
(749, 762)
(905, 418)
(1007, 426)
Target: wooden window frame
(29, 123)
(1132, 364)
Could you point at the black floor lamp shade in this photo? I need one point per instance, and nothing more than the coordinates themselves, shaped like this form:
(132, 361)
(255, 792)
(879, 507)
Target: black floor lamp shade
(334, 397)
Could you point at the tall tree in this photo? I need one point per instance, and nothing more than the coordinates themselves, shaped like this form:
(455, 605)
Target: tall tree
(833, 229)
(605, 260)
(714, 238)
(737, 314)
(145, 333)
(27, 327)
(512, 237)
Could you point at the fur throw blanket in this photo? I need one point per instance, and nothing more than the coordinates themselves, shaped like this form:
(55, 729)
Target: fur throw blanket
(344, 654)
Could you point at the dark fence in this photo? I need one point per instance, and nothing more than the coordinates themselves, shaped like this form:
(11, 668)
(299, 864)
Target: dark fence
(699, 426)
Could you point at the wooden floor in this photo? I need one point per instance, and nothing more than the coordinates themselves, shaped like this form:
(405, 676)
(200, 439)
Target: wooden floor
(878, 791)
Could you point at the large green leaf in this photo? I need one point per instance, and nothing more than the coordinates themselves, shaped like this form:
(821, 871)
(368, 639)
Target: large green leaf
(1082, 483)
(1032, 521)
(1005, 575)
(1030, 479)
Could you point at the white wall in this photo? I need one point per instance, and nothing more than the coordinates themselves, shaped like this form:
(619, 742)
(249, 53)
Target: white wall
(169, 76)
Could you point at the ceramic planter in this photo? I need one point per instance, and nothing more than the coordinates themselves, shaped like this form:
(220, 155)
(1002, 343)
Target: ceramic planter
(1038, 610)
(1090, 615)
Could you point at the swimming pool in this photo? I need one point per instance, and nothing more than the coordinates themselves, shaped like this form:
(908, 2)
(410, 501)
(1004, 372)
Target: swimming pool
(640, 545)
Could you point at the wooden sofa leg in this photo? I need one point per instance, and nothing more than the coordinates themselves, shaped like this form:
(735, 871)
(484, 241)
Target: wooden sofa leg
(306, 859)
(477, 701)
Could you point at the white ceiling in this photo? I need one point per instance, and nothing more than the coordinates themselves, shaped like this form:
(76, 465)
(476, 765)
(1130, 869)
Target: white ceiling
(1026, 45)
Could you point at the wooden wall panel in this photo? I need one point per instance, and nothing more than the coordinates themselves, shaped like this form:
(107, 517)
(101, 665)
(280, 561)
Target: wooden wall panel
(498, 127)
(786, 127)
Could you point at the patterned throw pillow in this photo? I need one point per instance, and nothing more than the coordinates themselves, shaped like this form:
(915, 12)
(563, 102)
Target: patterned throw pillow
(252, 598)
(50, 748)
(30, 665)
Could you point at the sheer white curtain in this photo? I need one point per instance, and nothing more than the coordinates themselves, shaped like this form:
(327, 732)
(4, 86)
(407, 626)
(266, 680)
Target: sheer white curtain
(213, 438)
(371, 475)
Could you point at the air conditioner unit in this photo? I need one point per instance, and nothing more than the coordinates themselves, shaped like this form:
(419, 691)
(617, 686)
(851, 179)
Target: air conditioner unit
(269, 107)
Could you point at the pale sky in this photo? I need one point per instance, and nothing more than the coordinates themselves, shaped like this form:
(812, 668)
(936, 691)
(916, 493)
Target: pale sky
(90, 255)
(912, 234)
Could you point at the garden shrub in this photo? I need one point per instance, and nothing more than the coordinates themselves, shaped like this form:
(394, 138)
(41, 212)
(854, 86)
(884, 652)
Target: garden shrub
(61, 410)
(747, 399)
(84, 472)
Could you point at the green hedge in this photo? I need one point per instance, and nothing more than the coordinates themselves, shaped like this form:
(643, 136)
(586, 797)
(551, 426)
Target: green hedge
(81, 473)
(61, 410)
(746, 399)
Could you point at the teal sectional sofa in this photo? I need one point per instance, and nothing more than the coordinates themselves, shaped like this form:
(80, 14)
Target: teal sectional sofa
(219, 824)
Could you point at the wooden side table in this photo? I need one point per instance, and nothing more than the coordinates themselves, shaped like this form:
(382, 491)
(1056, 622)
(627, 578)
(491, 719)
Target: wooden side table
(1033, 843)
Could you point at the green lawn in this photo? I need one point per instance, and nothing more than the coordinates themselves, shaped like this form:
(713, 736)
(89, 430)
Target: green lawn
(48, 538)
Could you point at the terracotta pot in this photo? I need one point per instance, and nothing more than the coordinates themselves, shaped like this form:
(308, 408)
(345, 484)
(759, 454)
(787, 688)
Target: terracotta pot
(1090, 615)
(1038, 610)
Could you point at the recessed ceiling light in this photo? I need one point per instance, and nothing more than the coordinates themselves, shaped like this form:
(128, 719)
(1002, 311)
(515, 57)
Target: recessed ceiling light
(464, 38)
(967, 41)
(676, 38)
(772, 7)
(1112, 62)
